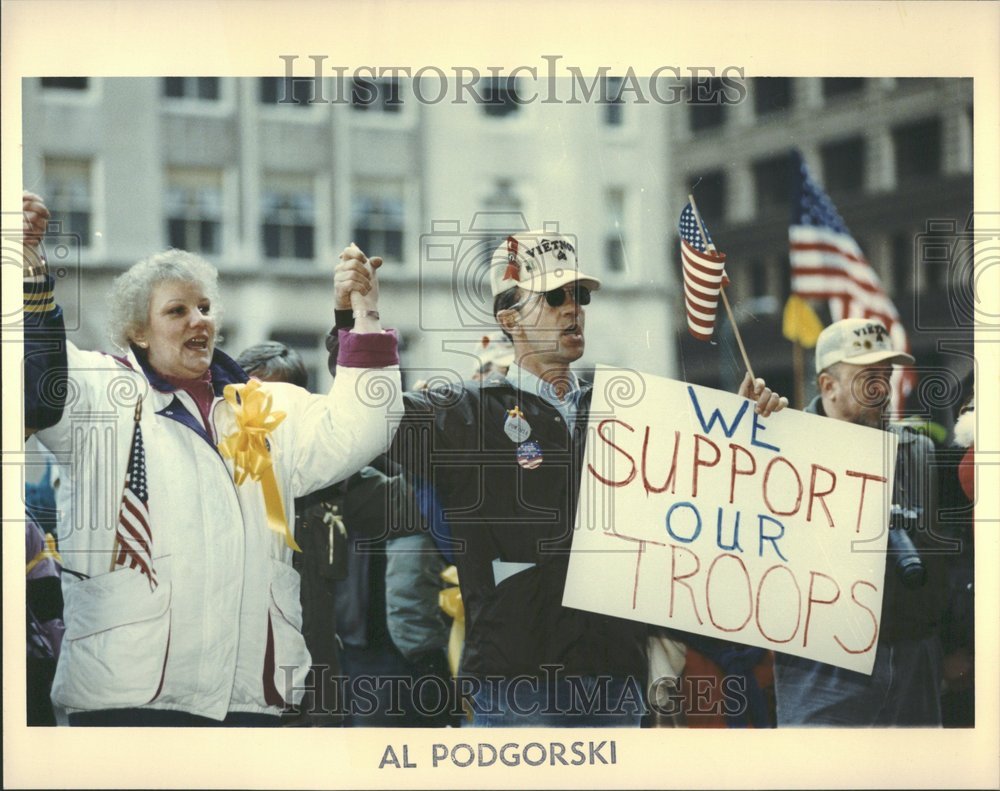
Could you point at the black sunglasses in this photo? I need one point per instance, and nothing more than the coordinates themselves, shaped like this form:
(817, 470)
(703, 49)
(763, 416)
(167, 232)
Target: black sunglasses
(557, 296)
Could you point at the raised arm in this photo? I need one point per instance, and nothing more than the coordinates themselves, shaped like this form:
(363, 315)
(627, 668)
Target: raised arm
(338, 434)
(45, 364)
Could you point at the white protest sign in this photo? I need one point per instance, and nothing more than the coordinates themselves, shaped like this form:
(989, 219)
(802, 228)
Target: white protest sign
(697, 514)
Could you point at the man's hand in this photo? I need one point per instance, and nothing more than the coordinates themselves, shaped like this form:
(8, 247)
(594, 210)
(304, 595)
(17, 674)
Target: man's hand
(355, 286)
(355, 283)
(766, 400)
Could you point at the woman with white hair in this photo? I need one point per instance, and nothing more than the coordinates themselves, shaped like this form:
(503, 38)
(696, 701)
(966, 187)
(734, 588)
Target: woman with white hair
(181, 603)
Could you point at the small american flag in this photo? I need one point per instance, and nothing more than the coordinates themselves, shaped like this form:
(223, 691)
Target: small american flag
(828, 264)
(704, 275)
(134, 540)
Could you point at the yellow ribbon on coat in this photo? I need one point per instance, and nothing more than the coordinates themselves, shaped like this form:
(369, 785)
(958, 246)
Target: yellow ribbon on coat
(450, 600)
(47, 551)
(249, 450)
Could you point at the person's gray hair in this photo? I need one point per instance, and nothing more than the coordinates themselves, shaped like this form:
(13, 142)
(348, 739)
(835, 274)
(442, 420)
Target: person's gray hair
(272, 361)
(128, 302)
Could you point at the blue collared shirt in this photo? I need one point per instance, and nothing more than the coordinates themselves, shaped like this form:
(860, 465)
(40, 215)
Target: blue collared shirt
(568, 405)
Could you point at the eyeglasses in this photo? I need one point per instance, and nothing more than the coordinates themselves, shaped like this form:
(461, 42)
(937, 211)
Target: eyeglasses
(557, 296)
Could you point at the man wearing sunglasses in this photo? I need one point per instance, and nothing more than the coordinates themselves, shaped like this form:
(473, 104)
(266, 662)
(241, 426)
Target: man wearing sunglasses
(504, 458)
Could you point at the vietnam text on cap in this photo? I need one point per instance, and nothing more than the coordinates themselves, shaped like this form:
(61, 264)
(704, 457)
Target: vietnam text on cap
(858, 342)
(537, 261)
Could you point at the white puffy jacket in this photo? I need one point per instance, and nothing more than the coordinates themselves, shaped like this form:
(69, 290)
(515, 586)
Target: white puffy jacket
(221, 631)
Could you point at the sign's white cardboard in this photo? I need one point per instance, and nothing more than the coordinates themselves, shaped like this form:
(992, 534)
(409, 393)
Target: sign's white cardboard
(697, 514)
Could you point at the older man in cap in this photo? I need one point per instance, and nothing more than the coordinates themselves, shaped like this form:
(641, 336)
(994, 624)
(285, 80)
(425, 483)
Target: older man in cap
(854, 361)
(504, 456)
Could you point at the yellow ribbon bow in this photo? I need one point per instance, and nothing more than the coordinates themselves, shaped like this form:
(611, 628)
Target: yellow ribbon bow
(450, 600)
(47, 551)
(248, 448)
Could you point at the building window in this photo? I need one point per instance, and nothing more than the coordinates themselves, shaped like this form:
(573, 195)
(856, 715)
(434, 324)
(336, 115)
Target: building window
(376, 95)
(901, 266)
(614, 236)
(841, 86)
(916, 83)
(614, 108)
(501, 210)
(500, 98)
(705, 108)
(289, 91)
(378, 218)
(205, 88)
(69, 196)
(773, 183)
(288, 213)
(194, 210)
(66, 83)
(771, 94)
(504, 197)
(918, 149)
(931, 256)
(758, 278)
(709, 191)
(844, 164)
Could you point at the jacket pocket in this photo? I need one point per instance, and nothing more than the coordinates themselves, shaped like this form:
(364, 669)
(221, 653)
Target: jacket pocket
(287, 659)
(114, 650)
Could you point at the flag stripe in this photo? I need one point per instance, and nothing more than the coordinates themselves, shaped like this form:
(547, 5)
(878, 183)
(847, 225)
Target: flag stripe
(710, 285)
(135, 511)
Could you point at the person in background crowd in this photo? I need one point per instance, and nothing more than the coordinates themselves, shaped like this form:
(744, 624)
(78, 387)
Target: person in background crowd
(496, 354)
(385, 629)
(187, 608)
(337, 576)
(854, 359)
(43, 598)
(416, 624)
(504, 457)
(958, 633)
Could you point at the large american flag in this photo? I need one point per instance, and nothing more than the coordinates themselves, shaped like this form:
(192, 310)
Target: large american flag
(828, 264)
(134, 538)
(704, 275)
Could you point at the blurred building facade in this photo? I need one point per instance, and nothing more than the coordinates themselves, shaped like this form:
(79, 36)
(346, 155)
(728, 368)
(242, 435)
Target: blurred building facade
(895, 156)
(270, 178)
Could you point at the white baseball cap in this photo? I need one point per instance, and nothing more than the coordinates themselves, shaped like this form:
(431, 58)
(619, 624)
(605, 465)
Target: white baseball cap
(537, 261)
(858, 342)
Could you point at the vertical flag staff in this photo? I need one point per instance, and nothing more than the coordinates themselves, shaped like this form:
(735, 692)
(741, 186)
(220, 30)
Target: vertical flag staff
(707, 243)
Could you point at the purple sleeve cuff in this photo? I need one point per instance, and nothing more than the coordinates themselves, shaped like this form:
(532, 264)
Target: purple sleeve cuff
(368, 349)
